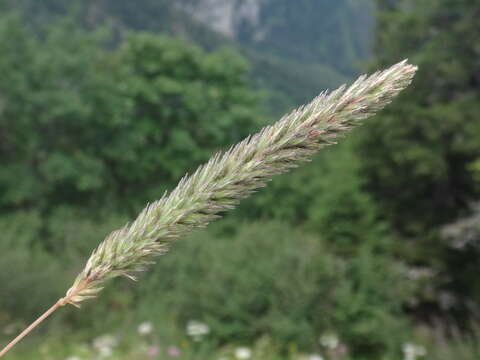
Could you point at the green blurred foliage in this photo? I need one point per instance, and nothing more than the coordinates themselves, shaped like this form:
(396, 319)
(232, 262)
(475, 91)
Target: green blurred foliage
(39, 256)
(26, 268)
(291, 59)
(186, 105)
(245, 280)
(420, 148)
(309, 39)
(253, 279)
(93, 124)
(90, 123)
(419, 154)
(60, 110)
(327, 197)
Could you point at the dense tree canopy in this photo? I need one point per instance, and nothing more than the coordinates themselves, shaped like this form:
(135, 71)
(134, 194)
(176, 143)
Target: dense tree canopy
(81, 125)
(419, 155)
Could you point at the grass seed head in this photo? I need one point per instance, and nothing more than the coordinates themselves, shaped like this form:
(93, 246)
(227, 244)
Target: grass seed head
(230, 176)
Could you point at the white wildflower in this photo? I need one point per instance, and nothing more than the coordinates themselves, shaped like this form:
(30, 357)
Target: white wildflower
(106, 340)
(329, 340)
(243, 353)
(104, 345)
(145, 328)
(315, 357)
(197, 329)
(413, 351)
(105, 352)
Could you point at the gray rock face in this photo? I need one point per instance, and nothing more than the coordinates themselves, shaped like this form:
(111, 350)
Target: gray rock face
(226, 16)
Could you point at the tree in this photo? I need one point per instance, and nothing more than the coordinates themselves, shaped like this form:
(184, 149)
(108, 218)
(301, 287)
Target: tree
(58, 105)
(185, 105)
(418, 155)
(85, 126)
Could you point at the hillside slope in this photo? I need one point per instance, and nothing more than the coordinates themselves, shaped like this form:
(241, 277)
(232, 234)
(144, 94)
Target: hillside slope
(296, 48)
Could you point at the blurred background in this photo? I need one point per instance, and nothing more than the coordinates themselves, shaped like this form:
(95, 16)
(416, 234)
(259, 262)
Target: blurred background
(371, 251)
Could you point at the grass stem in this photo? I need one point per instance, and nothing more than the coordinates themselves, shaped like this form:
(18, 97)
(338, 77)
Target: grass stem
(32, 326)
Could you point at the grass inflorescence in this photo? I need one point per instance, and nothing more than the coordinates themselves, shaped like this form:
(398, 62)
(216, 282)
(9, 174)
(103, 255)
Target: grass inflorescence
(231, 176)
